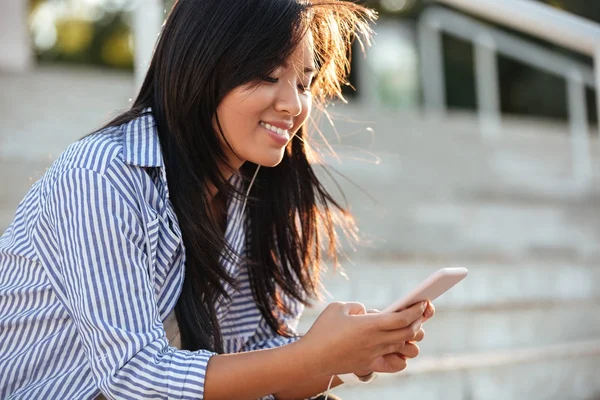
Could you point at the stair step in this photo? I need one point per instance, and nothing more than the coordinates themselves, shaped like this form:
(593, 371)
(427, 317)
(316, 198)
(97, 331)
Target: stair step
(567, 370)
(378, 283)
(497, 306)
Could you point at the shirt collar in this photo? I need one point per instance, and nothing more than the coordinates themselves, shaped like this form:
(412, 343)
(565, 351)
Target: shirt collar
(141, 146)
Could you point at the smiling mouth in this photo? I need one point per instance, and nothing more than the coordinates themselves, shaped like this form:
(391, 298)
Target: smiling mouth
(284, 133)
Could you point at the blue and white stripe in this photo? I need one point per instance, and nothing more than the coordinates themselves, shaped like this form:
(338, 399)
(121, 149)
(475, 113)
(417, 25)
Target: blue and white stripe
(92, 266)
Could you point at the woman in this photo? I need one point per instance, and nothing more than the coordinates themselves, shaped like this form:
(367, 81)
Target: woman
(170, 254)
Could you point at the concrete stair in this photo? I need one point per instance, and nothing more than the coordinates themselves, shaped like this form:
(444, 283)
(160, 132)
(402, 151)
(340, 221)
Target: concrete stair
(429, 194)
(498, 306)
(507, 375)
(437, 187)
(529, 331)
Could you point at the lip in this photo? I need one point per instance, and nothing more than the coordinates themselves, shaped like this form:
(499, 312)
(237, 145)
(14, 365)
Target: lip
(280, 124)
(280, 140)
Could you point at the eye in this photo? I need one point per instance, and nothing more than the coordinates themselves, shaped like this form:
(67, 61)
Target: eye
(270, 79)
(305, 88)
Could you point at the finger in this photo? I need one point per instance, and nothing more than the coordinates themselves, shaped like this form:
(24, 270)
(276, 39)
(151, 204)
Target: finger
(400, 319)
(419, 336)
(407, 334)
(409, 350)
(395, 363)
(391, 348)
(429, 310)
(373, 311)
(416, 327)
(354, 308)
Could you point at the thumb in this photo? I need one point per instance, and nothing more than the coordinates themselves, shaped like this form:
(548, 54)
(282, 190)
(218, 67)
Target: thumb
(355, 308)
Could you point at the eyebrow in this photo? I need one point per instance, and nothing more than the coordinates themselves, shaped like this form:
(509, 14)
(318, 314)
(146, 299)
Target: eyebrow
(307, 70)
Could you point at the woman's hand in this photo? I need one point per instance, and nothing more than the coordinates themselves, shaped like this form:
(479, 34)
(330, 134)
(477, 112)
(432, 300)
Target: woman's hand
(395, 362)
(345, 338)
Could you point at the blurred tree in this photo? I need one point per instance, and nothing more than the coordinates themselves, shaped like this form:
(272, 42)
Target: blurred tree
(72, 32)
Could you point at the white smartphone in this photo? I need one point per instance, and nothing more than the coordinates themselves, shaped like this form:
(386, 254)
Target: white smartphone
(431, 288)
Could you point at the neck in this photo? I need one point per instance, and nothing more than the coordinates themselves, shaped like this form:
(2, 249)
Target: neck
(218, 201)
(213, 191)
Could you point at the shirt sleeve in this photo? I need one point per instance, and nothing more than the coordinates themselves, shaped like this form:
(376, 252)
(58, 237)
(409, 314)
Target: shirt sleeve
(265, 338)
(102, 275)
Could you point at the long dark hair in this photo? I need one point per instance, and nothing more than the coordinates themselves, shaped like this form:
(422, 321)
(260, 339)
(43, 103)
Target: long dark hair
(206, 49)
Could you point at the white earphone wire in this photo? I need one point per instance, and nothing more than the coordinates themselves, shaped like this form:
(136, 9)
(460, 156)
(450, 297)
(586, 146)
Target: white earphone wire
(248, 191)
(242, 216)
(329, 387)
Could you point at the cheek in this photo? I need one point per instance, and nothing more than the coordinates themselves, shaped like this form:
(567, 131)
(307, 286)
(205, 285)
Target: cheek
(236, 114)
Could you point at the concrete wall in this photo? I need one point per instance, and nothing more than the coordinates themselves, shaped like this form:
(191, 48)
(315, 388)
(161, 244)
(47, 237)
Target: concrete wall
(15, 47)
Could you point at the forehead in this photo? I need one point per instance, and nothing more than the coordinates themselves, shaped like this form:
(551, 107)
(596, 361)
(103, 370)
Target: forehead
(305, 51)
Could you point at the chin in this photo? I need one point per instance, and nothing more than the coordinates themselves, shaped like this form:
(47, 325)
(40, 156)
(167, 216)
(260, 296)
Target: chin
(267, 160)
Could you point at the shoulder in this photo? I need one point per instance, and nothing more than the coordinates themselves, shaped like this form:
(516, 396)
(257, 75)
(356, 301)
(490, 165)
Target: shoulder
(96, 152)
(93, 162)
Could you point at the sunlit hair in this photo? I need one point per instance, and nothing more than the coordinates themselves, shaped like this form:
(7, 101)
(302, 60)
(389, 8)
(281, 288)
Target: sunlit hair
(206, 49)
(335, 25)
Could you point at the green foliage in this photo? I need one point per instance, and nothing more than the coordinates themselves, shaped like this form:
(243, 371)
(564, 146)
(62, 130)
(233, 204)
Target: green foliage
(64, 33)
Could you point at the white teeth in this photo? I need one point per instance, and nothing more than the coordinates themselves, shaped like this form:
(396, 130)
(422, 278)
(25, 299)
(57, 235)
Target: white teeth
(279, 131)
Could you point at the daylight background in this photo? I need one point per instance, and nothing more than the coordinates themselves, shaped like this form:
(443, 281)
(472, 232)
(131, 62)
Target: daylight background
(471, 140)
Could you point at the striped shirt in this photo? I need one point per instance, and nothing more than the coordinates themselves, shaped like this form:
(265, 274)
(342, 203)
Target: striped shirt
(92, 266)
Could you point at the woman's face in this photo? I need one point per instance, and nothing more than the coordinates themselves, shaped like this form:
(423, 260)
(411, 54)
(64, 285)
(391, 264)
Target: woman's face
(259, 120)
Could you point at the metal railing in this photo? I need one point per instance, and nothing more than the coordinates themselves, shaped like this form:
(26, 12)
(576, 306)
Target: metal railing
(536, 19)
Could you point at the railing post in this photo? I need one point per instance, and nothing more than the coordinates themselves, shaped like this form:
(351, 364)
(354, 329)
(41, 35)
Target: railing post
(597, 84)
(432, 67)
(580, 143)
(148, 19)
(487, 86)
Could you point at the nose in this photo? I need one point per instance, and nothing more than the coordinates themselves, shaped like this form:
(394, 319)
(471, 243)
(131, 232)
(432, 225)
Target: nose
(288, 100)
